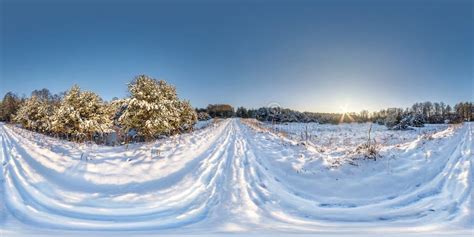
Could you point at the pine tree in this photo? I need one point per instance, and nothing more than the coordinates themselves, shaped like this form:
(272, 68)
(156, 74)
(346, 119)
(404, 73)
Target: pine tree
(81, 114)
(154, 109)
(35, 114)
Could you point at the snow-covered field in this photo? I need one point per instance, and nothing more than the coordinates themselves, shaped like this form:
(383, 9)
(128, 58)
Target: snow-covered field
(338, 143)
(350, 135)
(230, 178)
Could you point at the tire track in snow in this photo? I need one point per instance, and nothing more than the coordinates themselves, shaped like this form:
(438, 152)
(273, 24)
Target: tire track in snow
(4, 163)
(206, 174)
(236, 184)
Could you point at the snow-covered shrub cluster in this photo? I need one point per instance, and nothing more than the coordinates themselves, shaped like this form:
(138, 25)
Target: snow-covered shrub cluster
(153, 109)
(399, 120)
(203, 116)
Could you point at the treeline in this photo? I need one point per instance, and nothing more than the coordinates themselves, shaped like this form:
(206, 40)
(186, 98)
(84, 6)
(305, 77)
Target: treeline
(427, 112)
(273, 114)
(283, 115)
(216, 111)
(394, 118)
(153, 109)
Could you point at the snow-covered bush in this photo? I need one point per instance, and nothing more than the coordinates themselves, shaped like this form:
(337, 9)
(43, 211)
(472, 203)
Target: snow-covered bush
(154, 109)
(399, 121)
(203, 116)
(393, 119)
(369, 149)
(35, 114)
(81, 114)
(413, 120)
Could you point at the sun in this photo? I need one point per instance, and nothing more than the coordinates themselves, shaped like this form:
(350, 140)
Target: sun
(345, 112)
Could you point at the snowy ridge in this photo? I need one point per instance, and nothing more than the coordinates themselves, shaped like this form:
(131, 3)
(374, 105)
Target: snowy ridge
(230, 178)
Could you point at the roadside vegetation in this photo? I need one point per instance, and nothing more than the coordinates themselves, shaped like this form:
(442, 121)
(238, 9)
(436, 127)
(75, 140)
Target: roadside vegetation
(152, 110)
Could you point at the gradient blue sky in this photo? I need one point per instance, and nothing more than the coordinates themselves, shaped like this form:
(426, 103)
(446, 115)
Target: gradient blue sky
(306, 55)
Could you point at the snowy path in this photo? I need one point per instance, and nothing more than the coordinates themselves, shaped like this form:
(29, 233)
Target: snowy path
(229, 178)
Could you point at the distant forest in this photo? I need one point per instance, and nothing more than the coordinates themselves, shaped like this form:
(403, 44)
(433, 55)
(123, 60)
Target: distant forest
(396, 118)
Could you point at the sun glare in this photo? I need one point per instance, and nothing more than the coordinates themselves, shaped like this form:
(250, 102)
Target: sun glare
(345, 113)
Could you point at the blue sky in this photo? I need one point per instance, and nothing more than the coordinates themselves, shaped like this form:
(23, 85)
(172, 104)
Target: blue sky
(306, 55)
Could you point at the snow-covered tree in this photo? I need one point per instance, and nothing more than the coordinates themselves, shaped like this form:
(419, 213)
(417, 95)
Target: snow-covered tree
(154, 109)
(10, 104)
(81, 114)
(394, 115)
(35, 114)
(409, 120)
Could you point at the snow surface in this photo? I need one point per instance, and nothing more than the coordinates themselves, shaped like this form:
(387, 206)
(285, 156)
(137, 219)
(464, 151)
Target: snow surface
(229, 178)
